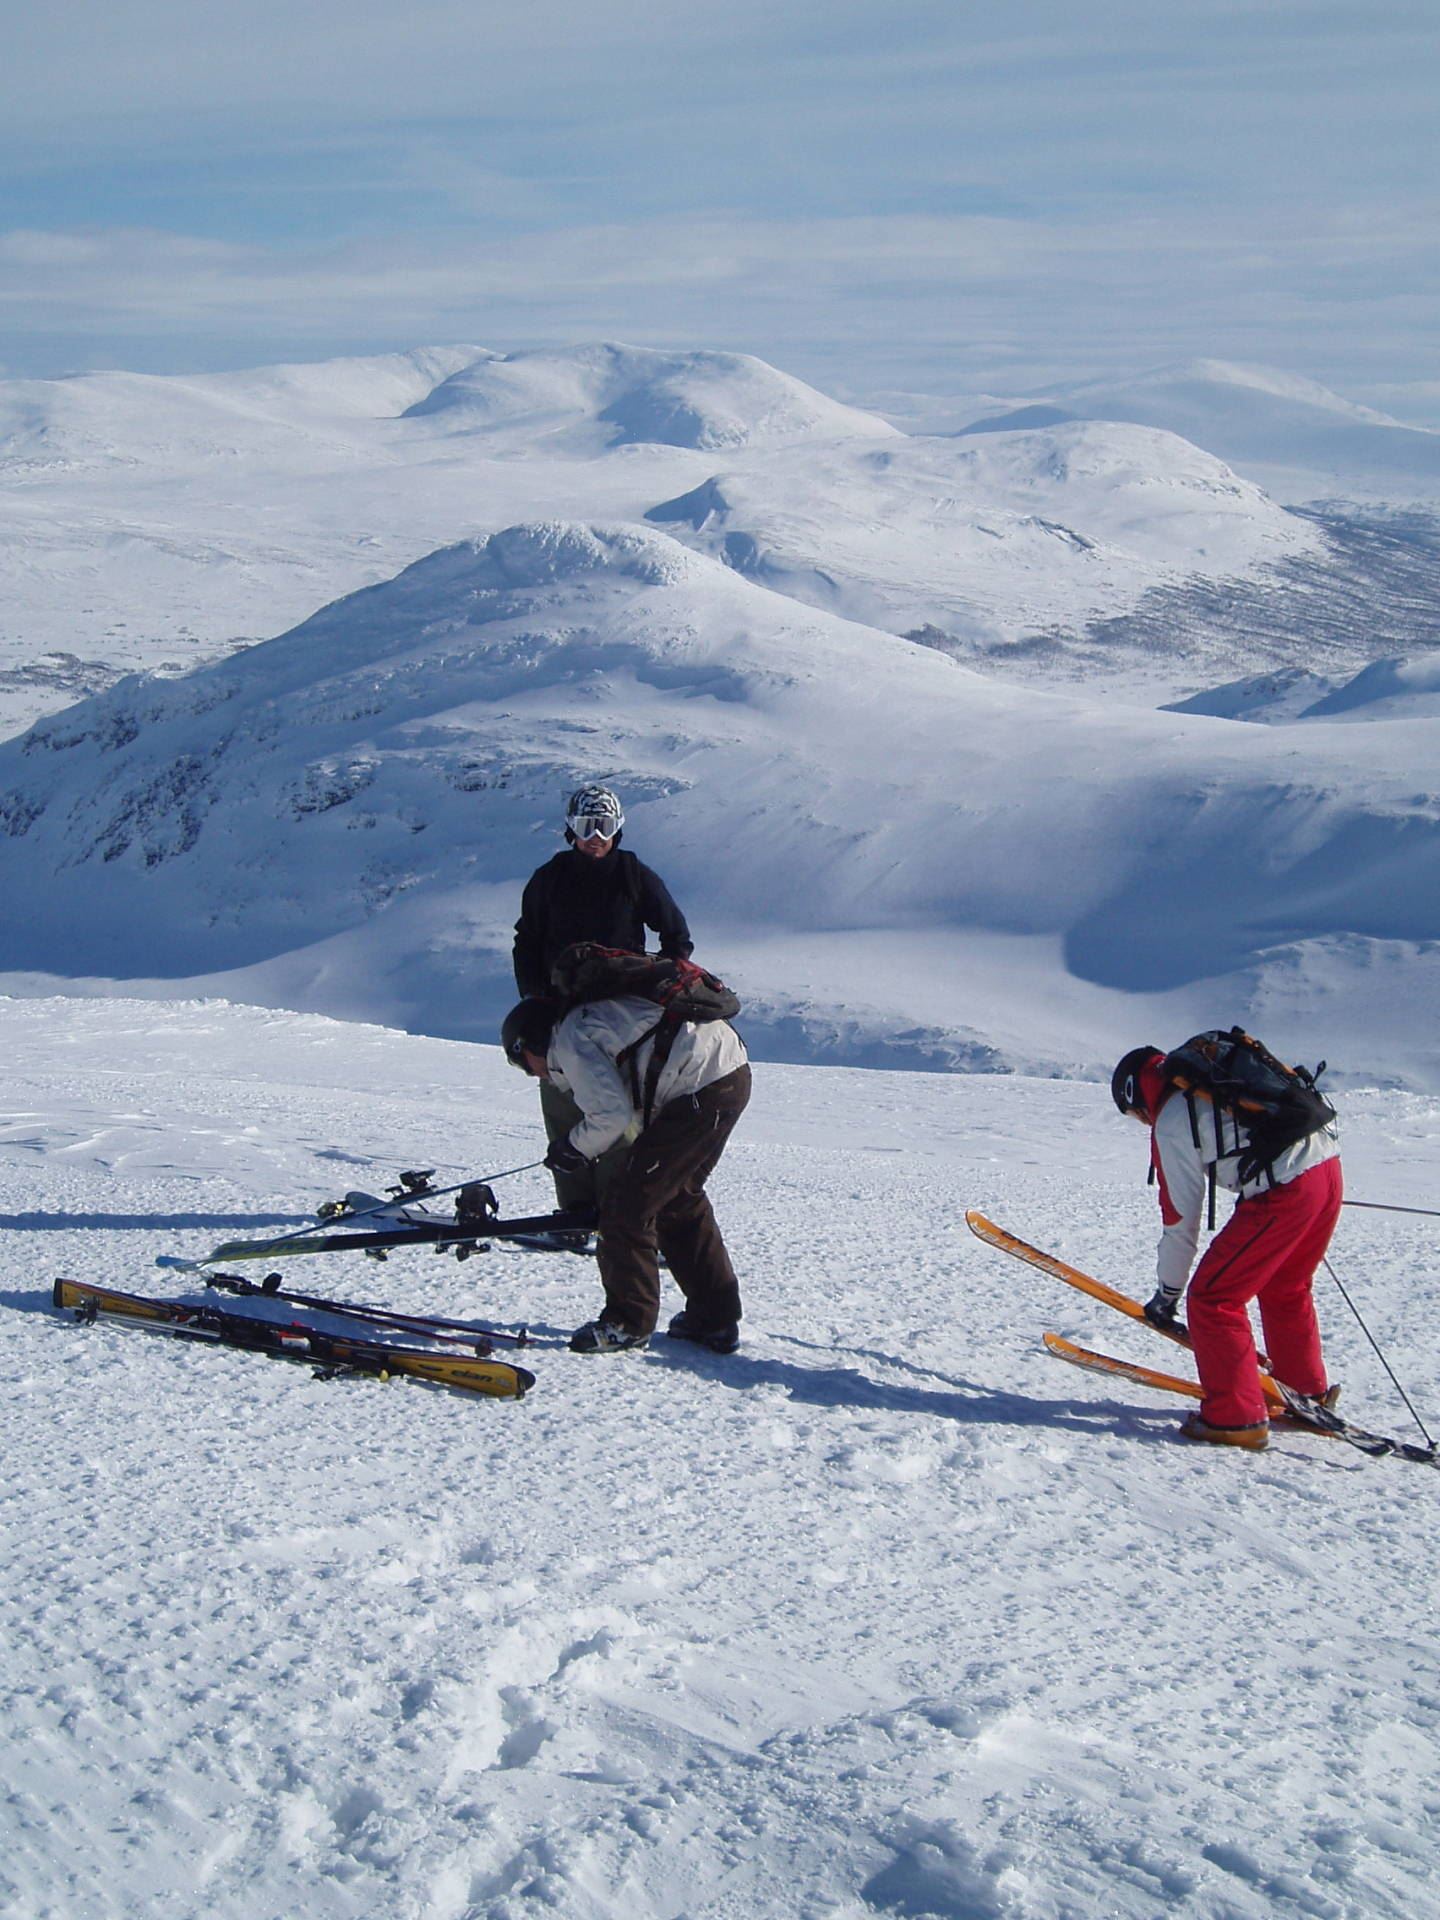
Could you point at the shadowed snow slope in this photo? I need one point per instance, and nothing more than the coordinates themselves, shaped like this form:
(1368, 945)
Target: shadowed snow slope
(593, 397)
(354, 805)
(1295, 436)
(1385, 690)
(982, 542)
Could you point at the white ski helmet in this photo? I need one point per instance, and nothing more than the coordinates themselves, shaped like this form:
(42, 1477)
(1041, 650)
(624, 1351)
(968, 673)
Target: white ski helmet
(594, 810)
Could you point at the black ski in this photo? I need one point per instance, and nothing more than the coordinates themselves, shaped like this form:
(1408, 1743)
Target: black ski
(558, 1232)
(1310, 1412)
(329, 1354)
(459, 1333)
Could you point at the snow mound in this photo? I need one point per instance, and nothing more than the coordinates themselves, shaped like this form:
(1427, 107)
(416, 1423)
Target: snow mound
(608, 395)
(1385, 690)
(976, 545)
(1292, 434)
(342, 818)
(1398, 689)
(1267, 698)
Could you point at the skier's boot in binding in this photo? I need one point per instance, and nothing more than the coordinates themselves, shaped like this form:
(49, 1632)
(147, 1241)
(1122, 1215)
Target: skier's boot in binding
(607, 1336)
(1255, 1438)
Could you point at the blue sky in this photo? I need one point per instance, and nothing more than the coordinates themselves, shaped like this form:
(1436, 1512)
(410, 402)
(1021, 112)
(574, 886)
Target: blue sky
(907, 196)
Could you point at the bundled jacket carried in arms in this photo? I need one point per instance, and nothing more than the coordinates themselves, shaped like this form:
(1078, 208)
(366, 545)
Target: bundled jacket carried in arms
(1183, 1170)
(585, 1049)
(611, 901)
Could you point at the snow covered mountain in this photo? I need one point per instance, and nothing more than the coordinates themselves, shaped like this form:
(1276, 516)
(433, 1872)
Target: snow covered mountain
(1295, 437)
(981, 544)
(151, 523)
(586, 399)
(895, 858)
(1403, 689)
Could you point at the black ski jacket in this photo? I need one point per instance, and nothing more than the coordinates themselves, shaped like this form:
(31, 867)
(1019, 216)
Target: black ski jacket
(612, 901)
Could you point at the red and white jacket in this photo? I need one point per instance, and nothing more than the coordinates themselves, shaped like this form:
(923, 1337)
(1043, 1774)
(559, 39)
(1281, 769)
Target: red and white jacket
(1182, 1172)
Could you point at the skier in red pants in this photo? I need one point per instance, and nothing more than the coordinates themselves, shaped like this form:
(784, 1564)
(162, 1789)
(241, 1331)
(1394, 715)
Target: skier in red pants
(1268, 1250)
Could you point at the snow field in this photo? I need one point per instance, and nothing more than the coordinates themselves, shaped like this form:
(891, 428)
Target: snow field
(886, 1614)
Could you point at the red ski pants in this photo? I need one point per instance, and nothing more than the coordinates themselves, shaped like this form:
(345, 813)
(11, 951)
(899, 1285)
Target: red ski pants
(1267, 1251)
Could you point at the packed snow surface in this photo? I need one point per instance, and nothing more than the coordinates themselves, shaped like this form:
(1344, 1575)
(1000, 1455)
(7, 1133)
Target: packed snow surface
(887, 1614)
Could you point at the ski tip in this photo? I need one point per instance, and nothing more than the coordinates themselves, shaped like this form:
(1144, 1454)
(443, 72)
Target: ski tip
(174, 1264)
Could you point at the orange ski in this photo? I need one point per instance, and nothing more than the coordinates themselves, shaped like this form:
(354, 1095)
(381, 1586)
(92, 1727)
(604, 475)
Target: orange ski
(1127, 1369)
(1011, 1243)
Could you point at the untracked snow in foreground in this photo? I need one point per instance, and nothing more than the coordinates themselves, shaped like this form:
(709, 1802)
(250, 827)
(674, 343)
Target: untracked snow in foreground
(886, 1614)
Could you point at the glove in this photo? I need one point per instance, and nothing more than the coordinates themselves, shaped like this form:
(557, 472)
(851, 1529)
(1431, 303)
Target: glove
(1161, 1308)
(561, 1157)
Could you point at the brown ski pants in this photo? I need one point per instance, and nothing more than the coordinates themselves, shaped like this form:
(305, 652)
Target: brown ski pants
(656, 1201)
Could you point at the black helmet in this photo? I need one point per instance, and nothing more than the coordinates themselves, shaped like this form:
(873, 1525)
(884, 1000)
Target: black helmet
(1125, 1081)
(527, 1029)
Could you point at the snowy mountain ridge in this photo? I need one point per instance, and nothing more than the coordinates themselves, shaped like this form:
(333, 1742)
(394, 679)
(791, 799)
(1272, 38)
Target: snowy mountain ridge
(153, 522)
(586, 399)
(410, 744)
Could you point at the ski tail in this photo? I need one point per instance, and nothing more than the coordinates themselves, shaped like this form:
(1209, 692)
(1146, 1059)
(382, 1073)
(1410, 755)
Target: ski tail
(1298, 1410)
(1123, 1369)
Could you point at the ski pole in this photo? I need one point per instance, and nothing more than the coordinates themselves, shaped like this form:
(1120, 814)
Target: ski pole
(486, 1178)
(1381, 1206)
(1380, 1356)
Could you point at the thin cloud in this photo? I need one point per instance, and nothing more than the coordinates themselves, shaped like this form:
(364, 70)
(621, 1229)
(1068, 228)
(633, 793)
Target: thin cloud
(952, 193)
(979, 301)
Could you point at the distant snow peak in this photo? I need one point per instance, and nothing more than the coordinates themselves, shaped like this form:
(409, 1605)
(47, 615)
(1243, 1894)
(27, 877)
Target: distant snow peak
(1291, 434)
(610, 395)
(1386, 689)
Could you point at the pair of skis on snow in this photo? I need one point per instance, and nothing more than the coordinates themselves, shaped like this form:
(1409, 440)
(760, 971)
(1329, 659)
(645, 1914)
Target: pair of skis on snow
(455, 1353)
(1284, 1403)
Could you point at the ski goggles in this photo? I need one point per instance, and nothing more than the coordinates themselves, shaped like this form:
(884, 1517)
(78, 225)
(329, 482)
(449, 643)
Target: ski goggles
(595, 826)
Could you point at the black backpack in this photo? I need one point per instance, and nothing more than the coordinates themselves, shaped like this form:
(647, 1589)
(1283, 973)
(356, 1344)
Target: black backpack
(682, 990)
(1278, 1106)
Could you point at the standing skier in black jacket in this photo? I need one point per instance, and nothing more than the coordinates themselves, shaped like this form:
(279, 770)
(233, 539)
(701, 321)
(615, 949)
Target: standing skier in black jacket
(592, 891)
